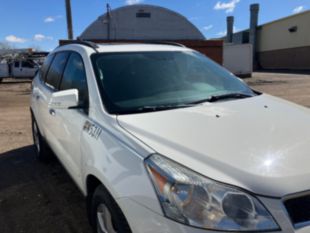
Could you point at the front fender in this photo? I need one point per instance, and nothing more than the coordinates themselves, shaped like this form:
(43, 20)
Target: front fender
(118, 167)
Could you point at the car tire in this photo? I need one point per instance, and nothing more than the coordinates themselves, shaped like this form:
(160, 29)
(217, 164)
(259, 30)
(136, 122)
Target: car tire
(106, 216)
(43, 152)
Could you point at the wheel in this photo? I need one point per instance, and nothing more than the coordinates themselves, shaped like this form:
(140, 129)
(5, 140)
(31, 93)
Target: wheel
(43, 152)
(106, 216)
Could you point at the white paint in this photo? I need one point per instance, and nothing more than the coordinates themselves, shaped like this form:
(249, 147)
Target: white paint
(238, 58)
(260, 144)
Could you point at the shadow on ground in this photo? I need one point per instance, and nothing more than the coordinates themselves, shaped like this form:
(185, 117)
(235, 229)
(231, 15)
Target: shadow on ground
(37, 197)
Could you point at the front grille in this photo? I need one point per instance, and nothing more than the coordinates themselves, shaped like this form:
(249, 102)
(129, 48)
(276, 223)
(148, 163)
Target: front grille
(299, 210)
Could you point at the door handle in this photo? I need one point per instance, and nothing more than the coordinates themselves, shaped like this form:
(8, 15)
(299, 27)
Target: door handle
(37, 97)
(52, 112)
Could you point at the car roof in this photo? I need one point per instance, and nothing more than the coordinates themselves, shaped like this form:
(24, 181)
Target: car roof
(139, 47)
(122, 47)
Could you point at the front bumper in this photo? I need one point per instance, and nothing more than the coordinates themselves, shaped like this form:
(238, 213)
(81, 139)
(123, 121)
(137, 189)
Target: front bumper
(143, 220)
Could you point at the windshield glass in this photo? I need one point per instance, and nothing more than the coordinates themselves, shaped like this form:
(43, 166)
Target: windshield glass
(132, 81)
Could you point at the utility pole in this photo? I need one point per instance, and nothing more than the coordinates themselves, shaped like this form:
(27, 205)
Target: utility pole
(109, 21)
(69, 19)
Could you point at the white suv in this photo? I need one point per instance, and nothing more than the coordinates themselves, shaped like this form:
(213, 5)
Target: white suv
(161, 139)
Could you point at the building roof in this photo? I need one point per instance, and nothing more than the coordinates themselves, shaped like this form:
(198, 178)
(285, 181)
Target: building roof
(142, 22)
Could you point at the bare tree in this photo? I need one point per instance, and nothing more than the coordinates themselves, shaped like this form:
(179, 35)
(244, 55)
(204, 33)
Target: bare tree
(5, 45)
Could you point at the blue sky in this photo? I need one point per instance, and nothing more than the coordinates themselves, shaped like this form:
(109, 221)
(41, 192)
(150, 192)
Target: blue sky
(42, 23)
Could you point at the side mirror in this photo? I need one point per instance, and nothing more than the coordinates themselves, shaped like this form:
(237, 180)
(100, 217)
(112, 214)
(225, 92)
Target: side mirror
(64, 99)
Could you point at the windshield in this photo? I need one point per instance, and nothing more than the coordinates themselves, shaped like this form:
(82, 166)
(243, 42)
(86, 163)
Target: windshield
(131, 81)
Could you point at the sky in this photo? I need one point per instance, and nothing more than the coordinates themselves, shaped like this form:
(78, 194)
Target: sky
(41, 23)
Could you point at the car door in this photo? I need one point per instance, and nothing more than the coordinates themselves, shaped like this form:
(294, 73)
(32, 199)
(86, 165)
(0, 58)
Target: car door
(73, 120)
(39, 93)
(16, 69)
(49, 116)
(27, 68)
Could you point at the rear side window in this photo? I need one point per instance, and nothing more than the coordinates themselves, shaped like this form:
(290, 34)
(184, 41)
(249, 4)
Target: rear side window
(56, 69)
(46, 66)
(74, 77)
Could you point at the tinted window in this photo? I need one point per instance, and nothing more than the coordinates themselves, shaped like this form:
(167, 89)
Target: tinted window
(74, 77)
(55, 71)
(46, 66)
(27, 64)
(131, 81)
(16, 65)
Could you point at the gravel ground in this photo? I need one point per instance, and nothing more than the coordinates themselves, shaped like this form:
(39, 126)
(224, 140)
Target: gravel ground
(293, 87)
(38, 197)
(34, 197)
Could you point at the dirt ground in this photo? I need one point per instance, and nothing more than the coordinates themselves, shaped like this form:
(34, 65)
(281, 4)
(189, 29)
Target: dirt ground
(292, 87)
(34, 197)
(38, 197)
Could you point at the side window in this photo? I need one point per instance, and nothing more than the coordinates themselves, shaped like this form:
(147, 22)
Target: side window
(27, 64)
(16, 64)
(74, 77)
(56, 69)
(47, 62)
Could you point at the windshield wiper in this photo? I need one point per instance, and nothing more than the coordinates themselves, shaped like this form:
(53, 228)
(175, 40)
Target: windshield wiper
(215, 98)
(153, 108)
(163, 107)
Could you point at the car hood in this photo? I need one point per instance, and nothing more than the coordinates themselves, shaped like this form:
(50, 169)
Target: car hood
(261, 144)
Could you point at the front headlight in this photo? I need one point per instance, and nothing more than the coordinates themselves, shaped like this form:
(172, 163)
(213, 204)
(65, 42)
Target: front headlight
(192, 199)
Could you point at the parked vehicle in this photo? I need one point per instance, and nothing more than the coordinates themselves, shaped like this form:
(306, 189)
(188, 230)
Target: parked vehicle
(18, 69)
(4, 70)
(24, 69)
(159, 138)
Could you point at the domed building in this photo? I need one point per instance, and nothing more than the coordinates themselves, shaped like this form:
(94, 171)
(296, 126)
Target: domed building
(142, 22)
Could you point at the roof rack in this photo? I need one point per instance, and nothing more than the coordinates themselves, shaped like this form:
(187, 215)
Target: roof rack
(163, 43)
(90, 44)
(158, 42)
(95, 46)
